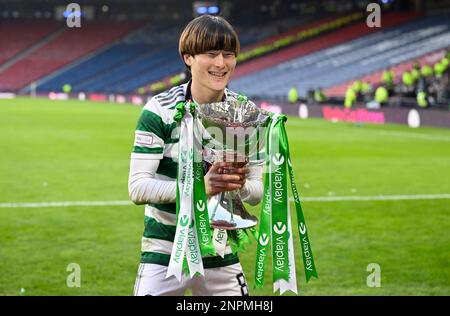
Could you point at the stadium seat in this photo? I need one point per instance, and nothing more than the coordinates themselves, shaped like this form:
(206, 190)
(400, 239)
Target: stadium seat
(69, 45)
(347, 60)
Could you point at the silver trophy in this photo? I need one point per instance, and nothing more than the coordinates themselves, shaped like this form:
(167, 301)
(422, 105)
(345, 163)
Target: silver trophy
(232, 131)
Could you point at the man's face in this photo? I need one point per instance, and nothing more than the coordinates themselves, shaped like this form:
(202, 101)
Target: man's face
(212, 69)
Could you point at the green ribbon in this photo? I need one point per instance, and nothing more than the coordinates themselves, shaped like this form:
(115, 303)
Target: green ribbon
(181, 109)
(279, 201)
(305, 245)
(254, 233)
(242, 98)
(265, 222)
(273, 220)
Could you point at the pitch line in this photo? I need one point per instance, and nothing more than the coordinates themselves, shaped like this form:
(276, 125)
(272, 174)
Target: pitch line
(305, 199)
(65, 204)
(376, 198)
(414, 135)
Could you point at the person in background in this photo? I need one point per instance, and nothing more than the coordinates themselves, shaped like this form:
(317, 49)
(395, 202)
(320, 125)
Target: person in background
(427, 72)
(293, 95)
(415, 72)
(357, 86)
(387, 78)
(366, 91)
(382, 95)
(408, 85)
(350, 97)
(319, 96)
(67, 88)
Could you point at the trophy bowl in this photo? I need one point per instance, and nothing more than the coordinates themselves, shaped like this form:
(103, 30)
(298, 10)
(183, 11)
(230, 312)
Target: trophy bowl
(232, 131)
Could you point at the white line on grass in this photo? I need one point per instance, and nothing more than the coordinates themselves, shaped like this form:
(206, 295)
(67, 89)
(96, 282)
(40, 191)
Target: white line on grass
(377, 198)
(414, 135)
(309, 199)
(65, 204)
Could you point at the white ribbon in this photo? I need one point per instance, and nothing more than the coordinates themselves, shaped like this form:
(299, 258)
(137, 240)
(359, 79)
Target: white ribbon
(220, 241)
(193, 254)
(185, 242)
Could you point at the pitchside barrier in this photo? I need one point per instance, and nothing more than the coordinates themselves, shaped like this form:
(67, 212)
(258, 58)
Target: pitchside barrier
(413, 117)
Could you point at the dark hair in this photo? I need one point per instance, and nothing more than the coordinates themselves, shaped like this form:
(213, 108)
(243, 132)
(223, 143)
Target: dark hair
(206, 33)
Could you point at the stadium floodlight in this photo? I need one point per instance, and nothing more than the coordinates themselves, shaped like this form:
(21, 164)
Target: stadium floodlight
(61, 12)
(202, 10)
(76, 14)
(205, 7)
(213, 9)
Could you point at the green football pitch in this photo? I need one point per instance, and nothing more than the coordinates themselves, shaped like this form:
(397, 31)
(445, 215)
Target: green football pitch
(372, 194)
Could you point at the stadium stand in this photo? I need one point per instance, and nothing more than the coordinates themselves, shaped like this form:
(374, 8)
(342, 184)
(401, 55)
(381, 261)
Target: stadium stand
(270, 34)
(119, 64)
(128, 56)
(19, 36)
(327, 40)
(319, 64)
(69, 45)
(146, 55)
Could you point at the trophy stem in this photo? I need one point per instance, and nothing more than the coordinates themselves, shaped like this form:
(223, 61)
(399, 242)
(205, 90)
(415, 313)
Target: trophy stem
(215, 206)
(231, 205)
(228, 212)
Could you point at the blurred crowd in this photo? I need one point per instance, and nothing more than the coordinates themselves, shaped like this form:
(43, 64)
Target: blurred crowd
(424, 85)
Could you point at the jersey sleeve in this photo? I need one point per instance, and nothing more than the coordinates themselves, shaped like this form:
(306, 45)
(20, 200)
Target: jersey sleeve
(150, 133)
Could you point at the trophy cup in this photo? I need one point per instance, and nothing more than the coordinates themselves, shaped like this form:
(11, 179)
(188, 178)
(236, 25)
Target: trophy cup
(232, 131)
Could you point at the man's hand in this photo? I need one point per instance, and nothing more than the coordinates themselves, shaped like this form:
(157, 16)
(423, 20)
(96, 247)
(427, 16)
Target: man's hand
(222, 176)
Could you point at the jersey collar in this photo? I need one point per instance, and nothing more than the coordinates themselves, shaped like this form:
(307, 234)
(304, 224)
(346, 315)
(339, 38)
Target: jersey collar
(188, 95)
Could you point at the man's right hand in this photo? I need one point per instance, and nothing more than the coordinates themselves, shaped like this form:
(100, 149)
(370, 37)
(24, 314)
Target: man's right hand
(222, 176)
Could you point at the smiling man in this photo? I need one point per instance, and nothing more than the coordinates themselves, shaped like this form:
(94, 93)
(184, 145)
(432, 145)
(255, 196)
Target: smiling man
(208, 46)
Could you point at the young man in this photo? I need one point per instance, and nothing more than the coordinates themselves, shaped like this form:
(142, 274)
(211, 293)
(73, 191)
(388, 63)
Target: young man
(208, 46)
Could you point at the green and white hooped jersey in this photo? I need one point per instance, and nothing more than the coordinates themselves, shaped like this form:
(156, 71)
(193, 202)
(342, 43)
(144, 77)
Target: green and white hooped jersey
(156, 137)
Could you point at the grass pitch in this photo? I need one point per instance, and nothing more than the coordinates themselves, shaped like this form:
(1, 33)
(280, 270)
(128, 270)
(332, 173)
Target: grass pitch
(79, 151)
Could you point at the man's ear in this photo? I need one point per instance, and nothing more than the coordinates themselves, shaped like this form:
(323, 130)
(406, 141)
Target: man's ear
(188, 59)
